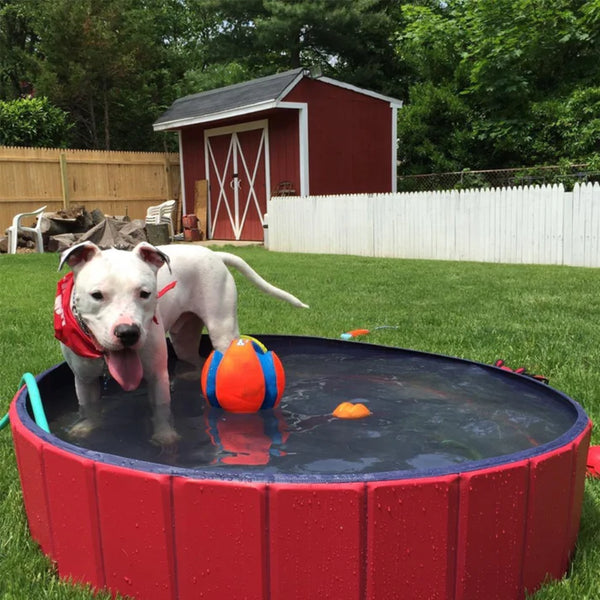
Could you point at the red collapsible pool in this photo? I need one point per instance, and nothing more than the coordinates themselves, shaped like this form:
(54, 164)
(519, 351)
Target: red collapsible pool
(466, 482)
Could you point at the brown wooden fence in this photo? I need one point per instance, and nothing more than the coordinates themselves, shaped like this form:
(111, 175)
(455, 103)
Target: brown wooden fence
(118, 183)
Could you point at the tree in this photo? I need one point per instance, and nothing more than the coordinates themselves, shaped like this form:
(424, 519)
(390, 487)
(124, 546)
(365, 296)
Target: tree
(516, 65)
(111, 64)
(33, 122)
(433, 129)
(115, 65)
(17, 45)
(350, 40)
(489, 83)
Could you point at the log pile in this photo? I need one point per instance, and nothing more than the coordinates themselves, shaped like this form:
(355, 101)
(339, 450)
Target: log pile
(62, 229)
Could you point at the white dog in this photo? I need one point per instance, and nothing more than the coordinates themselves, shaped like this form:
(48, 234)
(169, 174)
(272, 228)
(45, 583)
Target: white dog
(117, 306)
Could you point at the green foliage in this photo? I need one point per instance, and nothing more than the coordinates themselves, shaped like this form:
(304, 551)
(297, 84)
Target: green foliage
(116, 65)
(429, 42)
(33, 122)
(212, 77)
(349, 40)
(580, 122)
(17, 45)
(107, 62)
(487, 84)
(433, 130)
(526, 72)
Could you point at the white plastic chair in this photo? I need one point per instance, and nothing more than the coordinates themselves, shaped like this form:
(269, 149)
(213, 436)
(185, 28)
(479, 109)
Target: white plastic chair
(162, 213)
(13, 230)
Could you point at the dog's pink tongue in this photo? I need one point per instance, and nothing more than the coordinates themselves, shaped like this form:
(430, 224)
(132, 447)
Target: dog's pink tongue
(126, 368)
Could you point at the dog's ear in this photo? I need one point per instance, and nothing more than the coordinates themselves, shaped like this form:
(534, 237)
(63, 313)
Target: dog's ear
(78, 255)
(152, 255)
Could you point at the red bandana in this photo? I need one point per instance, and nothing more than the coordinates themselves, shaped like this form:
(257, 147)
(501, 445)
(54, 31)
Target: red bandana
(66, 327)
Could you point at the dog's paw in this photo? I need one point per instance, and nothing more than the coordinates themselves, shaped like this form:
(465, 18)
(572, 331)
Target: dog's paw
(82, 428)
(165, 437)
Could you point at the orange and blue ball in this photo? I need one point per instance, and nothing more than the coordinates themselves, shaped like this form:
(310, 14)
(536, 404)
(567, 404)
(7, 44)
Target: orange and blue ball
(244, 379)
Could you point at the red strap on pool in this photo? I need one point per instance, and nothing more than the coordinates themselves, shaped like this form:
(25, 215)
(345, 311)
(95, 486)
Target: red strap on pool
(521, 371)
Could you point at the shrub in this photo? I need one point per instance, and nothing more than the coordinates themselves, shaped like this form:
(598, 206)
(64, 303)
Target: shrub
(33, 122)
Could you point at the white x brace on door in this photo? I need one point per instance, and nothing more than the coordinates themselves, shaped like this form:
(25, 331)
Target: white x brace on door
(237, 169)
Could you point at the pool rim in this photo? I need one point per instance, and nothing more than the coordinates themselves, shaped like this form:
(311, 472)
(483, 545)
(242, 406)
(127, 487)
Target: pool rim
(222, 474)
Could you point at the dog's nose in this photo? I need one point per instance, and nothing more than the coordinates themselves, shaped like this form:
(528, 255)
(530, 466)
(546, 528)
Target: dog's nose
(127, 334)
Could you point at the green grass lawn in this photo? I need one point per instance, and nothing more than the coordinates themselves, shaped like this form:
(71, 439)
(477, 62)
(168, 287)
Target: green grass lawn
(542, 317)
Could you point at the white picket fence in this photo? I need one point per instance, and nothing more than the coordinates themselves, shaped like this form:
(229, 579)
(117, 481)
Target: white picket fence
(537, 225)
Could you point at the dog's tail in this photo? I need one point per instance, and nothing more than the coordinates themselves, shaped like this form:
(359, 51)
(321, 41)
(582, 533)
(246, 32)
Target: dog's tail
(231, 260)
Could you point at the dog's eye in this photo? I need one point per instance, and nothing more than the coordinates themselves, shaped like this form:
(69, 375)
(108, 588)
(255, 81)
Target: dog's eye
(144, 294)
(97, 295)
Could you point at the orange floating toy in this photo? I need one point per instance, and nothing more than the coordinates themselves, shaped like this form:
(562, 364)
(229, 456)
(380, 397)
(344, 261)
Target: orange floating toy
(245, 378)
(349, 410)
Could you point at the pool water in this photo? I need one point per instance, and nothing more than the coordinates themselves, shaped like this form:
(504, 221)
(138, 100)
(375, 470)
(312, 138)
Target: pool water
(428, 412)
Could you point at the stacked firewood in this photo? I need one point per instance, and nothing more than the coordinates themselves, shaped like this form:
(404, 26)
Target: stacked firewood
(63, 228)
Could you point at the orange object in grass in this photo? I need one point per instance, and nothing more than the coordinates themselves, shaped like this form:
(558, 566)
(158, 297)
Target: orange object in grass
(349, 410)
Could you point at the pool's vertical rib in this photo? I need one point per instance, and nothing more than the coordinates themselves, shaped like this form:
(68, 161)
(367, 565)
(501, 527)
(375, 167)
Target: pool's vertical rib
(73, 510)
(137, 535)
(548, 517)
(28, 450)
(491, 532)
(220, 539)
(411, 539)
(316, 541)
(580, 447)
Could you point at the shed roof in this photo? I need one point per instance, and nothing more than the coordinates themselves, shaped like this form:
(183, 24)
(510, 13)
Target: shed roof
(242, 98)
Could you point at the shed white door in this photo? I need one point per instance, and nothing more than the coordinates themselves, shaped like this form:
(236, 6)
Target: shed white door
(237, 168)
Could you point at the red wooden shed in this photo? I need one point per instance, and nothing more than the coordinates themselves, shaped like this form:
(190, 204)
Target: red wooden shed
(286, 134)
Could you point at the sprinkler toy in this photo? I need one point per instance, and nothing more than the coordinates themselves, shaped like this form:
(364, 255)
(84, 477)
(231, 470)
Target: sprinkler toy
(244, 379)
(349, 335)
(349, 410)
